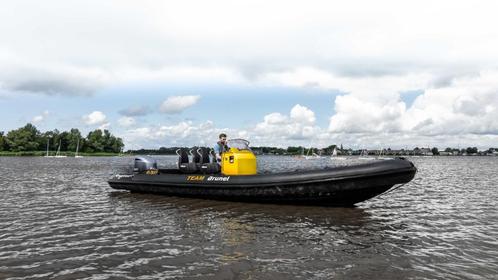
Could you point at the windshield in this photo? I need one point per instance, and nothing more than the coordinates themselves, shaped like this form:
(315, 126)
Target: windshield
(240, 144)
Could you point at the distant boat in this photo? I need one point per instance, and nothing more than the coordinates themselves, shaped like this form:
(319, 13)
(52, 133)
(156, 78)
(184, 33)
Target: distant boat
(315, 155)
(381, 155)
(48, 143)
(312, 156)
(57, 155)
(77, 148)
(335, 157)
(364, 155)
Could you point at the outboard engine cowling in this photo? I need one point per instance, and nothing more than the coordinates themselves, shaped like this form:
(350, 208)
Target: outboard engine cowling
(143, 164)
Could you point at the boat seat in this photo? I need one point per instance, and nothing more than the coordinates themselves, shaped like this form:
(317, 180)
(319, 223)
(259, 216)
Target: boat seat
(196, 158)
(207, 166)
(204, 155)
(183, 162)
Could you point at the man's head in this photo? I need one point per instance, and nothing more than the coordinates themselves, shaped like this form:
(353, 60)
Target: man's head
(223, 137)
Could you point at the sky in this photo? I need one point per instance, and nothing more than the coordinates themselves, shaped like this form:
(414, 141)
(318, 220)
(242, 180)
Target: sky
(365, 74)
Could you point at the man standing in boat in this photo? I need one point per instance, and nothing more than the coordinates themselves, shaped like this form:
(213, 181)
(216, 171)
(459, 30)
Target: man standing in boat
(221, 146)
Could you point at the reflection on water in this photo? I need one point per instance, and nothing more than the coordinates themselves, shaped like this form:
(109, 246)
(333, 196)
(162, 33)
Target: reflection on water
(60, 220)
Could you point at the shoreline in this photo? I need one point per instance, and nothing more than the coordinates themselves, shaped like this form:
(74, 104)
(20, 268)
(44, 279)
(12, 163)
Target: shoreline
(103, 154)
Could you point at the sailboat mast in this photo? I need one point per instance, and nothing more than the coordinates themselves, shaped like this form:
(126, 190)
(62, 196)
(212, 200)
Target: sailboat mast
(58, 148)
(77, 146)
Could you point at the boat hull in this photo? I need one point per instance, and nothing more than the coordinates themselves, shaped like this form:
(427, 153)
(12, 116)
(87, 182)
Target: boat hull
(341, 186)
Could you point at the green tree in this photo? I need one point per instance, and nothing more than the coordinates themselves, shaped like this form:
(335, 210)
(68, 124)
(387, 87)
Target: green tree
(471, 150)
(49, 137)
(55, 137)
(294, 150)
(435, 151)
(71, 139)
(64, 140)
(95, 142)
(330, 149)
(115, 144)
(108, 141)
(23, 139)
(2, 142)
(102, 141)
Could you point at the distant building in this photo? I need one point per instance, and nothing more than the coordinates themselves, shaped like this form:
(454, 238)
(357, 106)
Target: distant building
(426, 152)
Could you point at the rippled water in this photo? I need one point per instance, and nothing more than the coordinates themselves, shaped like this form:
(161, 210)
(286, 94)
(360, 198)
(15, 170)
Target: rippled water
(60, 220)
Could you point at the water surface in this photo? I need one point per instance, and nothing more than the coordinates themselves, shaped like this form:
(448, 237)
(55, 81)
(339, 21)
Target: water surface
(60, 220)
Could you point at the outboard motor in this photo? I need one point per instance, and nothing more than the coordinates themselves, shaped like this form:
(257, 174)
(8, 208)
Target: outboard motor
(142, 164)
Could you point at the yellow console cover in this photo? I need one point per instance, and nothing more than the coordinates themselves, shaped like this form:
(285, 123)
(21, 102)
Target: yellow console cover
(238, 162)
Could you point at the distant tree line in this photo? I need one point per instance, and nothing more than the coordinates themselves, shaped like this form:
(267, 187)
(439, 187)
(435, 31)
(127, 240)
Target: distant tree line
(293, 150)
(468, 150)
(259, 150)
(29, 138)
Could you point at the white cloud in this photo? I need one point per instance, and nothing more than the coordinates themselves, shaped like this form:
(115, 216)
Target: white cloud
(355, 115)
(465, 104)
(104, 126)
(40, 118)
(275, 119)
(301, 114)
(278, 128)
(349, 39)
(49, 78)
(126, 121)
(184, 133)
(465, 107)
(176, 104)
(373, 88)
(37, 119)
(94, 118)
(135, 111)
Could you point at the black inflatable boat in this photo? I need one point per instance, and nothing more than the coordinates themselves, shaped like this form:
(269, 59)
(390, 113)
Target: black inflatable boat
(340, 186)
